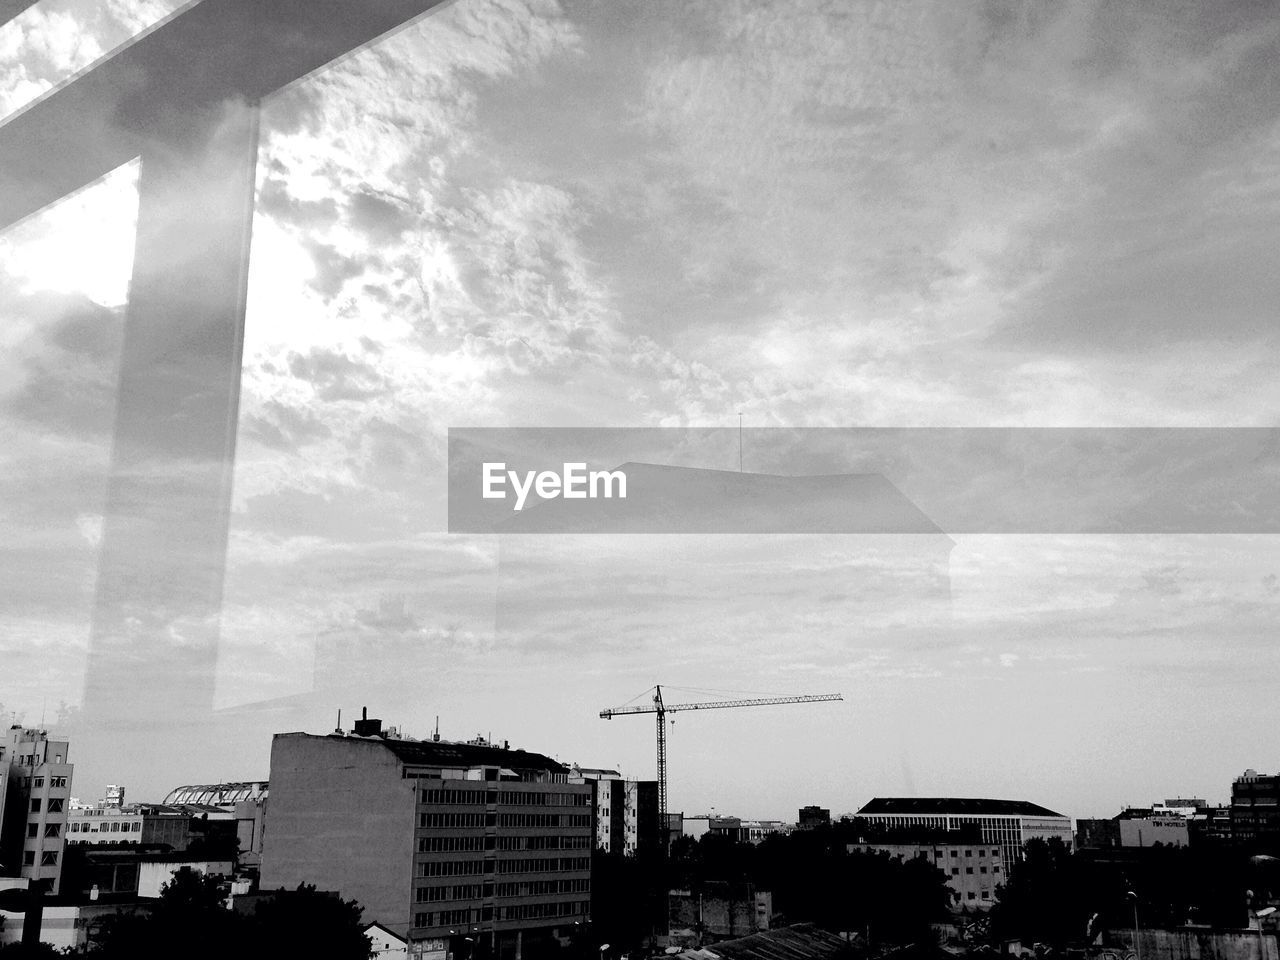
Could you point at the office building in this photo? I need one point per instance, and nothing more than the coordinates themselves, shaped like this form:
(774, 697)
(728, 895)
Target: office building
(973, 867)
(35, 796)
(438, 841)
(1008, 824)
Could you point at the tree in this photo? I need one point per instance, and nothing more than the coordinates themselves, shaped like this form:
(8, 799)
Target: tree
(190, 918)
(306, 922)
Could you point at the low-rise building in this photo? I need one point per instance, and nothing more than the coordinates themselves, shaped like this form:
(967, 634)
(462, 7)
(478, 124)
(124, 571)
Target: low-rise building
(810, 818)
(718, 910)
(1009, 824)
(1146, 827)
(973, 866)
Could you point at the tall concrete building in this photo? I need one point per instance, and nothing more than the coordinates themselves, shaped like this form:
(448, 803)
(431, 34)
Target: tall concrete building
(35, 798)
(1009, 824)
(626, 811)
(440, 842)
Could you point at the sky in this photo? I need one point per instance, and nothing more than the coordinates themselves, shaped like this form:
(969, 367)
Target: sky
(660, 214)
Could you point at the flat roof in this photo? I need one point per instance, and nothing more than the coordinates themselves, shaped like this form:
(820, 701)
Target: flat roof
(956, 806)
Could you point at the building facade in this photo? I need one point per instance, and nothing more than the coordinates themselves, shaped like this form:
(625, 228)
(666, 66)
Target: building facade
(436, 840)
(1146, 828)
(972, 866)
(813, 817)
(1008, 824)
(35, 799)
(626, 811)
(1255, 808)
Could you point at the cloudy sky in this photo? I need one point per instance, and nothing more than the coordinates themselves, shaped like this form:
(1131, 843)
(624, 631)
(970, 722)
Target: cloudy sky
(589, 213)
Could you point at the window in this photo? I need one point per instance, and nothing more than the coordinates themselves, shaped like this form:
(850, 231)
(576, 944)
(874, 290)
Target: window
(995, 869)
(57, 781)
(28, 858)
(955, 871)
(37, 782)
(137, 826)
(972, 895)
(982, 869)
(986, 894)
(48, 859)
(52, 830)
(968, 853)
(968, 870)
(955, 853)
(937, 854)
(35, 804)
(55, 804)
(33, 830)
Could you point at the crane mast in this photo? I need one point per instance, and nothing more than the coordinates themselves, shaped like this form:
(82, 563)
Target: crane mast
(661, 709)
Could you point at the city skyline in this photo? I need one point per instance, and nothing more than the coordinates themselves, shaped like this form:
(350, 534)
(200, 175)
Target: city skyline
(666, 215)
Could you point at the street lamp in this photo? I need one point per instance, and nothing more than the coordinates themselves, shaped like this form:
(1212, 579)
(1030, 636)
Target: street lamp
(1137, 943)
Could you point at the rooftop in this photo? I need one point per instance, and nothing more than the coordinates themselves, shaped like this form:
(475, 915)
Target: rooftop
(955, 806)
(801, 941)
(445, 753)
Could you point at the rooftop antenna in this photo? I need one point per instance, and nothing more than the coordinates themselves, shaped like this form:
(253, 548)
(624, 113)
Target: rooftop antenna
(338, 728)
(436, 736)
(739, 441)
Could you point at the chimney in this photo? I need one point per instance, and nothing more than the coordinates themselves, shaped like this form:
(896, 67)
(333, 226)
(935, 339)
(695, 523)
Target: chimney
(365, 727)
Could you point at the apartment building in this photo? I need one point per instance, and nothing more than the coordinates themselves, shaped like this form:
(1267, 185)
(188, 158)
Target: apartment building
(35, 797)
(626, 811)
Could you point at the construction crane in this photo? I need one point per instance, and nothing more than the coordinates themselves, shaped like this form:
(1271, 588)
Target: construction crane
(662, 709)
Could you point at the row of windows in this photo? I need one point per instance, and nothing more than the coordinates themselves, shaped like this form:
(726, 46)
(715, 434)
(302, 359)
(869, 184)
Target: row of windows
(116, 826)
(544, 843)
(516, 798)
(955, 871)
(454, 868)
(544, 819)
(53, 830)
(986, 895)
(473, 797)
(536, 911)
(455, 819)
(457, 891)
(38, 782)
(449, 844)
(55, 805)
(47, 859)
(537, 888)
(453, 918)
(544, 864)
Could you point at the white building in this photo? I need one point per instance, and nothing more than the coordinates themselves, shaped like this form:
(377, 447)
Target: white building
(1007, 823)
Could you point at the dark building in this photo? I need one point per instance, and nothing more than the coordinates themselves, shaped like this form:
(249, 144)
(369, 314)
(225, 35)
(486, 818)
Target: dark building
(810, 818)
(438, 841)
(1255, 809)
(1097, 834)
